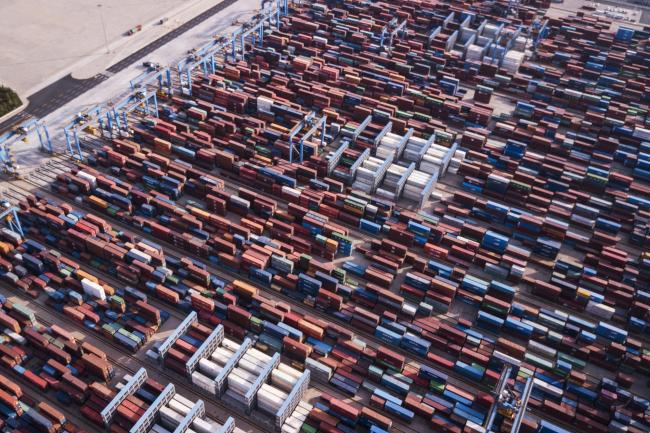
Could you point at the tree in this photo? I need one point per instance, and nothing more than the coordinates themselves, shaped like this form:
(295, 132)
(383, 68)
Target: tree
(9, 100)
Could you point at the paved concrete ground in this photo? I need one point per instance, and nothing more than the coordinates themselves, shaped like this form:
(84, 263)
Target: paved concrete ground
(40, 38)
(622, 15)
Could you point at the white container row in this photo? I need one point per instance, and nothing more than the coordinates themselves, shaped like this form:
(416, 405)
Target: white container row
(542, 350)
(415, 184)
(173, 414)
(490, 31)
(285, 377)
(368, 174)
(389, 145)
(240, 380)
(294, 423)
(208, 369)
(393, 175)
(272, 395)
(264, 104)
(454, 164)
(248, 369)
(474, 52)
(512, 61)
(270, 399)
(435, 160)
(141, 256)
(238, 201)
(413, 148)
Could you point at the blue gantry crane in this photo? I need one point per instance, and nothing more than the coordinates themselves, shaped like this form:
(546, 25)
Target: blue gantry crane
(255, 27)
(113, 117)
(162, 75)
(71, 131)
(539, 30)
(205, 57)
(142, 100)
(314, 125)
(390, 30)
(9, 215)
(21, 133)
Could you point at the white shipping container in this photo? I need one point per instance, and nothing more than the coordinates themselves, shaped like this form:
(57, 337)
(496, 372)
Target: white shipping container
(264, 103)
(151, 251)
(642, 133)
(602, 311)
(250, 377)
(143, 257)
(238, 384)
(293, 192)
(204, 382)
(254, 368)
(240, 201)
(318, 368)
(270, 398)
(409, 309)
(547, 388)
(169, 418)
(506, 358)
(184, 400)
(93, 289)
(319, 39)
(282, 380)
(204, 426)
(289, 370)
(473, 427)
(89, 177)
(209, 368)
(17, 338)
(259, 355)
(286, 428)
(157, 428)
(178, 407)
(254, 358)
(294, 422)
(221, 355)
(230, 345)
(541, 349)
(275, 392)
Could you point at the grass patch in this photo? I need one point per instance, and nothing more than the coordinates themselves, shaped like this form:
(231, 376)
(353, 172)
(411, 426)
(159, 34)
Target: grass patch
(9, 100)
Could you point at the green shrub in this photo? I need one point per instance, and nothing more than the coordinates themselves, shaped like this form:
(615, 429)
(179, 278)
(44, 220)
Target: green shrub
(8, 100)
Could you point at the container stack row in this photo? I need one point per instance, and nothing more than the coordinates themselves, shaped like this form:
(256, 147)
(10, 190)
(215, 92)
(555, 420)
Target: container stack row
(121, 313)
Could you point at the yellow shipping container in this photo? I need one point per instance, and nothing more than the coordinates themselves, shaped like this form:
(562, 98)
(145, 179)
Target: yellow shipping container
(200, 213)
(96, 201)
(83, 274)
(331, 245)
(243, 288)
(108, 290)
(6, 248)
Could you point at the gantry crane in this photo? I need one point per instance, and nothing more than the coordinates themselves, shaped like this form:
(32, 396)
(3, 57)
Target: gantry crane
(21, 133)
(506, 402)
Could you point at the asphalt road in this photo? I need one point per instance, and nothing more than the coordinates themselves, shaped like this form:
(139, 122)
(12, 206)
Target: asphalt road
(59, 93)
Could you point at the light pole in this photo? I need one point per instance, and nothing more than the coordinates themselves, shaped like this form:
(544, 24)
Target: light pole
(101, 17)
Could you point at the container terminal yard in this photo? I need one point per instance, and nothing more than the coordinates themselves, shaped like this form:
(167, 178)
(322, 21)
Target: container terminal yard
(336, 216)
